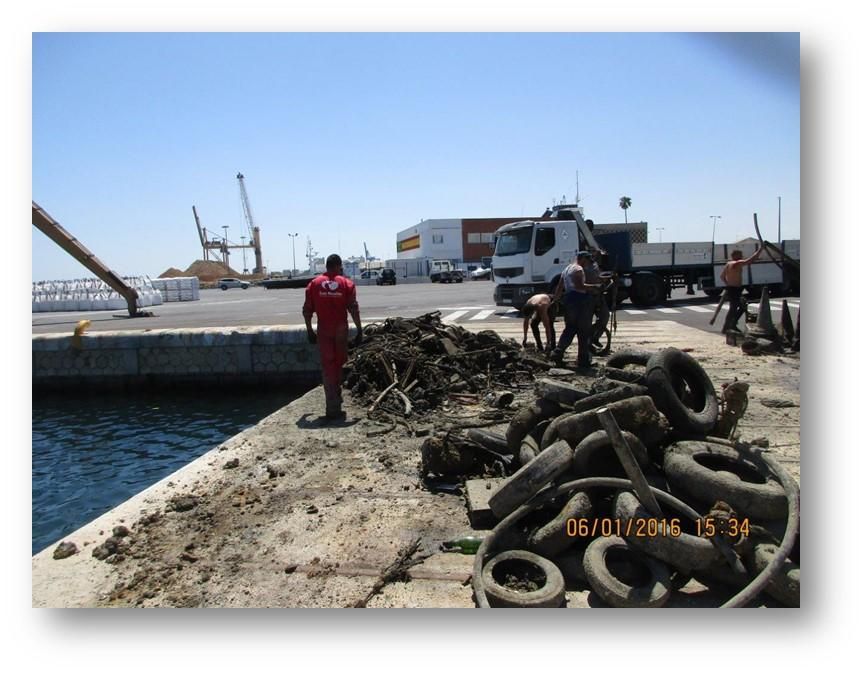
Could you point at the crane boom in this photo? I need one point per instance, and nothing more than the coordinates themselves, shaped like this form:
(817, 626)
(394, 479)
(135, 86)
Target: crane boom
(254, 235)
(244, 200)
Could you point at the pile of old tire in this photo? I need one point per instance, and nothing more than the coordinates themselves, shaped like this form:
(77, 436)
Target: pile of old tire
(598, 535)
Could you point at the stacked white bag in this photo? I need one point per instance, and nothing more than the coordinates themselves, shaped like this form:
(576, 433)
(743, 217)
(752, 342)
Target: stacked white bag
(178, 289)
(90, 294)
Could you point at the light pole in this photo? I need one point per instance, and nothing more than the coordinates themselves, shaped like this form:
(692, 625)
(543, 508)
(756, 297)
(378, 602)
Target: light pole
(293, 260)
(225, 243)
(659, 230)
(243, 248)
(715, 219)
(779, 220)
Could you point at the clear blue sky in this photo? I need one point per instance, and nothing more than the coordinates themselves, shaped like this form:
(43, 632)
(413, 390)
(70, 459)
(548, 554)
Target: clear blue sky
(347, 138)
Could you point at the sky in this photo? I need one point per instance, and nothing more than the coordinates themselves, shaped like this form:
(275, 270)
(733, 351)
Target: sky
(348, 138)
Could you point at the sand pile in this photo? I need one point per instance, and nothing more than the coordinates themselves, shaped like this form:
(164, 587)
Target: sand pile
(209, 271)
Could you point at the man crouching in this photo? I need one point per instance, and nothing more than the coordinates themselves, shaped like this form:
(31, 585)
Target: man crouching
(540, 309)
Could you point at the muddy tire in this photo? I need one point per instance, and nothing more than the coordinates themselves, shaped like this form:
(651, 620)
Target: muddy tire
(528, 451)
(595, 456)
(489, 440)
(622, 359)
(553, 539)
(523, 564)
(683, 552)
(636, 414)
(709, 472)
(625, 375)
(525, 420)
(642, 581)
(665, 372)
(783, 587)
(531, 478)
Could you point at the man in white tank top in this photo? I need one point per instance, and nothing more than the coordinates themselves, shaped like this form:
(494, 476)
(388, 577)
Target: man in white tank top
(579, 304)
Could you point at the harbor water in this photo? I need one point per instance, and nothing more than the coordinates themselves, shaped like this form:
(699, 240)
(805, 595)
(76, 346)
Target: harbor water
(92, 452)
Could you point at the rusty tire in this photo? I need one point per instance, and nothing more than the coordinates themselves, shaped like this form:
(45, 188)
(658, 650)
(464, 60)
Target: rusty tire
(650, 587)
(551, 594)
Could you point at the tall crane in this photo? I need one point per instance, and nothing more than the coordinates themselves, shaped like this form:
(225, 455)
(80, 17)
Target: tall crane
(366, 252)
(254, 235)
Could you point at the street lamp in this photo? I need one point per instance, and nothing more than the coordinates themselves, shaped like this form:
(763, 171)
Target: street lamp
(293, 260)
(714, 219)
(659, 230)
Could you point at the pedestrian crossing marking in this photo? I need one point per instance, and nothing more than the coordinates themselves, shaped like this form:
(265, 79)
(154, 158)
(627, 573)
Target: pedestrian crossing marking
(668, 310)
(453, 317)
(634, 311)
(700, 309)
(483, 315)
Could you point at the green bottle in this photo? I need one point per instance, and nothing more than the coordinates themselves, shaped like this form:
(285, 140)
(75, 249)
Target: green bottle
(467, 544)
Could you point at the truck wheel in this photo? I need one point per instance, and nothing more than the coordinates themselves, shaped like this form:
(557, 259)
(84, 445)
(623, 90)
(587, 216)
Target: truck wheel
(520, 579)
(647, 289)
(713, 292)
(624, 577)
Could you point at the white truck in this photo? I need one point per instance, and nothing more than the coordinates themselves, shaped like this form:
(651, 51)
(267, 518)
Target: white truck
(439, 268)
(530, 256)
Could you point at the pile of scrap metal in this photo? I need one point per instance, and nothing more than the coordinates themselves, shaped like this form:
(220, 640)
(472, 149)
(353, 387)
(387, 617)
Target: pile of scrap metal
(627, 489)
(408, 367)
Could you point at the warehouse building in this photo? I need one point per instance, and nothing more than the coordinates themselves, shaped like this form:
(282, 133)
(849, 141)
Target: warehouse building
(468, 243)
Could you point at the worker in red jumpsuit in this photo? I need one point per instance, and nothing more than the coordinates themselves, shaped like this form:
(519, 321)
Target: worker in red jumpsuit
(330, 296)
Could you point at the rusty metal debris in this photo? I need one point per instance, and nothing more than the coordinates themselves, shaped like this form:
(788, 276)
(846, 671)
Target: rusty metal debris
(411, 366)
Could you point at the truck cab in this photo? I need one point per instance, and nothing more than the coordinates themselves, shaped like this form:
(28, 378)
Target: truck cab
(531, 254)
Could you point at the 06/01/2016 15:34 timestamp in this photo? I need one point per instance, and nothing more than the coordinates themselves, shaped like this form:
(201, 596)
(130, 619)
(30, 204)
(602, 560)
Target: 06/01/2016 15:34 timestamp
(651, 527)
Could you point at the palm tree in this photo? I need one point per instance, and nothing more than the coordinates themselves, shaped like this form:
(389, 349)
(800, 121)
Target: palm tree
(624, 204)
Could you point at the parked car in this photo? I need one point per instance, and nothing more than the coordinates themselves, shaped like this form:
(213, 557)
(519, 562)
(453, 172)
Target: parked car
(225, 283)
(482, 274)
(455, 276)
(386, 277)
(369, 274)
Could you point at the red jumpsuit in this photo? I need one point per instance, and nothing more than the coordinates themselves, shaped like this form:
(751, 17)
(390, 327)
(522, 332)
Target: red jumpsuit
(330, 297)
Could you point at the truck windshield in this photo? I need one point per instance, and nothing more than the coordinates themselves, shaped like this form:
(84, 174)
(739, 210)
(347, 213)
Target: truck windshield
(514, 242)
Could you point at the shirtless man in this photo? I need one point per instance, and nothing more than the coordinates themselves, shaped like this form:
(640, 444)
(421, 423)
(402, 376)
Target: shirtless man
(540, 309)
(731, 276)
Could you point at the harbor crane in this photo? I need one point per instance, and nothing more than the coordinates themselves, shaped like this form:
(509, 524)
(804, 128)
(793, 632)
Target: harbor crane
(254, 233)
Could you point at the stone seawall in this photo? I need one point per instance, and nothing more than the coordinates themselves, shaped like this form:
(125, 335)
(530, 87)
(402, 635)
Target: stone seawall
(176, 358)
